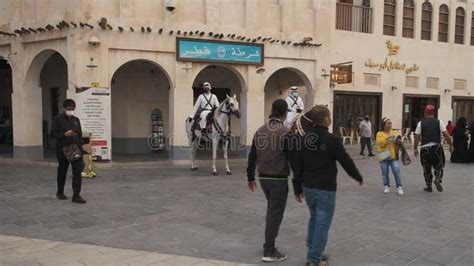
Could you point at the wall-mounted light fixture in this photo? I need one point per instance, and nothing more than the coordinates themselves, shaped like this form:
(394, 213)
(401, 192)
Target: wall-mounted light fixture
(447, 91)
(394, 88)
(332, 85)
(325, 74)
(260, 70)
(91, 65)
(94, 40)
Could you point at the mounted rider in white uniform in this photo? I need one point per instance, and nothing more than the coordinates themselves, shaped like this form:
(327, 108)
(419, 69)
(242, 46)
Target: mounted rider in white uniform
(205, 103)
(295, 106)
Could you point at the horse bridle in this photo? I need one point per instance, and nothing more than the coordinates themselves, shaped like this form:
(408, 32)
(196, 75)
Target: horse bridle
(227, 106)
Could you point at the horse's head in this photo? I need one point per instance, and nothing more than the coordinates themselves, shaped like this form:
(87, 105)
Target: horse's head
(233, 106)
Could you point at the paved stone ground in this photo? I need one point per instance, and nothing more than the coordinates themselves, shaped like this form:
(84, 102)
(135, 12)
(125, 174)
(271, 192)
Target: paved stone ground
(173, 211)
(27, 251)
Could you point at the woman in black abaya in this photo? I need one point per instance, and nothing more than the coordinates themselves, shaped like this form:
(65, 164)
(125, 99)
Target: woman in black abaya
(460, 154)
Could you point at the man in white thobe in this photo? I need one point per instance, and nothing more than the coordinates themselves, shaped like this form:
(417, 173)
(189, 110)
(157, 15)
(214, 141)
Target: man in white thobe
(295, 106)
(205, 102)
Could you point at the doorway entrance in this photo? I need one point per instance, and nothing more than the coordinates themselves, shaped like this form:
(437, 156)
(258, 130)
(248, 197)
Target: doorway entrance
(463, 107)
(350, 109)
(414, 106)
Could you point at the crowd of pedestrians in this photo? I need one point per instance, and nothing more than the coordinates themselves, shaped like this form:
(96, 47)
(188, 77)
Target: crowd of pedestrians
(312, 159)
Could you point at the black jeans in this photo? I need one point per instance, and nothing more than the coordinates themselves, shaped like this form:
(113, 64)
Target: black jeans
(366, 141)
(77, 167)
(276, 193)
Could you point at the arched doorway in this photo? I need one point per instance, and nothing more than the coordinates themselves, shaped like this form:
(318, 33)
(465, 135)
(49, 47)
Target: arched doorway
(224, 80)
(37, 102)
(279, 83)
(6, 90)
(54, 85)
(137, 88)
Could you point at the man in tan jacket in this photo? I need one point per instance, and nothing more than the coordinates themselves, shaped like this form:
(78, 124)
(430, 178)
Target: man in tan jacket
(268, 155)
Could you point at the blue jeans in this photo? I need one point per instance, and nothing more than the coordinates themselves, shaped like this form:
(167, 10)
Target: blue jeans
(321, 204)
(395, 165)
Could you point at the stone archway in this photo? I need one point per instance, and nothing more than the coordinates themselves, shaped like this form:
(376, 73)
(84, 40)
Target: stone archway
(278, 84)
(224, 80)
(54, 86)
(30, 133)
(137, 88)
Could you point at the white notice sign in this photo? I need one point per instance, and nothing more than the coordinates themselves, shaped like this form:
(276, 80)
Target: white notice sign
(94, 110)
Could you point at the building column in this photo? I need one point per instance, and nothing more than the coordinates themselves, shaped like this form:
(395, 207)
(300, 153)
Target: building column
(26, 111)
(418, 14)
(181, 104)
(398, 19)
(252, 107)
(377, 17)
(435, 16)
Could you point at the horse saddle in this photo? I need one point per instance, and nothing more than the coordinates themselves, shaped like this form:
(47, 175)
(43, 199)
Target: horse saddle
(209, 122)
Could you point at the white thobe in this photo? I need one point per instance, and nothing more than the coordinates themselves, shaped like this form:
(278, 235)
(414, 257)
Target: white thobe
(205, 102)
(293, 105)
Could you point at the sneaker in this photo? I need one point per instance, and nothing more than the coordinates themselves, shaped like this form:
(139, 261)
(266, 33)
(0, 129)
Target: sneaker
(371, 155)
(273, 256)
(438, 185)
(61, 196)
(361, 154)
(428, 189)
(78, 199)
(386, 189)
(400, 190)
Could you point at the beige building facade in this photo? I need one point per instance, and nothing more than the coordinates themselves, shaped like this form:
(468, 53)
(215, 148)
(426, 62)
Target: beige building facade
(60, 45)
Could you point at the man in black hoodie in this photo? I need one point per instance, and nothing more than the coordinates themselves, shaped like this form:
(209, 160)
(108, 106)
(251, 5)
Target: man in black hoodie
(315, 179)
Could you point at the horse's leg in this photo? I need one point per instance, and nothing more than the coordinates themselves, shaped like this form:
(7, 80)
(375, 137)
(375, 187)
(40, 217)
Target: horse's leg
(215, 142)
(193, 154)
(226, 144)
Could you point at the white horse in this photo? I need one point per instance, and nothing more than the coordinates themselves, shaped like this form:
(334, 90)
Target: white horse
(220, 131)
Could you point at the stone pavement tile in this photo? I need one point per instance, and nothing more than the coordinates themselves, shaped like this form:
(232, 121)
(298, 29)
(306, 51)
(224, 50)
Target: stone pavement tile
(406, 255)
(464, 241)
(393, 261)
(15, 244)
(36, 246)
(147, 258)
(418, 247)
(184, 260)
(424, 263)
(6, 239)
(444, 255)
(466, 259)
(391, 244)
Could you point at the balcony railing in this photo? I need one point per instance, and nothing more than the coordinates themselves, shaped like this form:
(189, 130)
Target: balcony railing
(353, 18)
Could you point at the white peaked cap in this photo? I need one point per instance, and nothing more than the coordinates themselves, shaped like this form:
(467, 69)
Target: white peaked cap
(294, 88)
(207, 84)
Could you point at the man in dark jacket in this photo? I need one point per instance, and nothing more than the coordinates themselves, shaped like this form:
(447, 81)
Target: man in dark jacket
(66, 129)
(315, 179)
(269, 157)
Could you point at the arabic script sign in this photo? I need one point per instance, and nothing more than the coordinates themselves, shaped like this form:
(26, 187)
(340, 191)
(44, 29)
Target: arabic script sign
(219, 51)
(390, 64)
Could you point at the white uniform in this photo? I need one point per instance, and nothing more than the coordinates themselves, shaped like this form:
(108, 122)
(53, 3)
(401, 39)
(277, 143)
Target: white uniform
(205, 102)
(293, 105)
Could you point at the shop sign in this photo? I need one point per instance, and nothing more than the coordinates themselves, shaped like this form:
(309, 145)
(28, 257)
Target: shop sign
(341, 74)
(219, 51)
